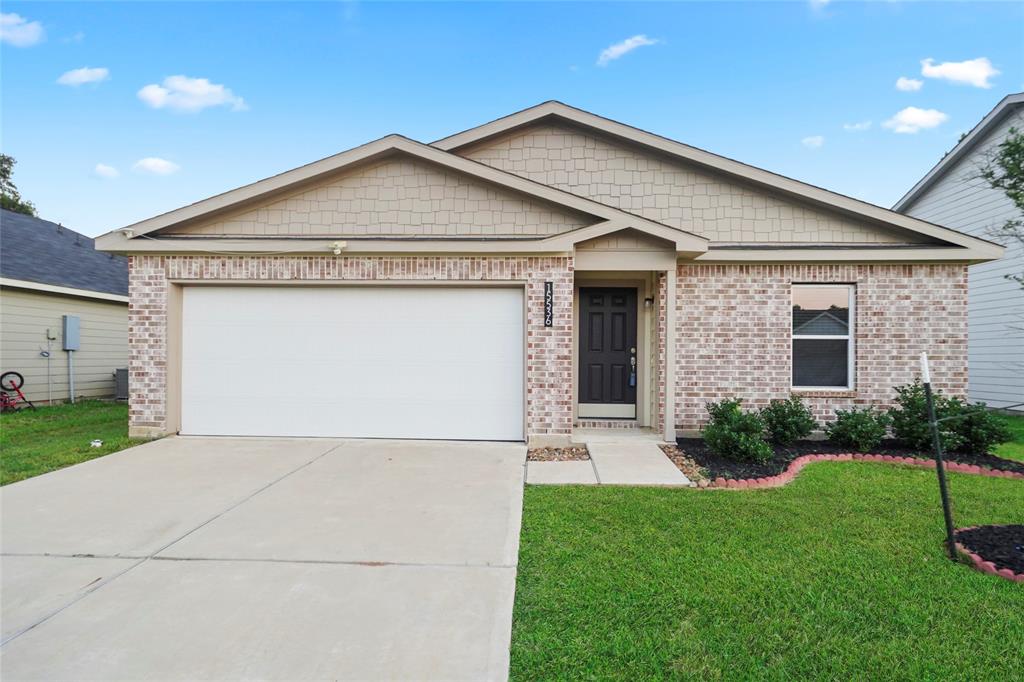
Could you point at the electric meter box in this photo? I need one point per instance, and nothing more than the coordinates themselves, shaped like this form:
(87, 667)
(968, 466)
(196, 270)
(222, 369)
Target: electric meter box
(72, 337)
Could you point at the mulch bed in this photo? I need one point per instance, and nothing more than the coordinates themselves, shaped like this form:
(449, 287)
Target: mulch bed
(1002, 545)
(782, 457)
(573, 453)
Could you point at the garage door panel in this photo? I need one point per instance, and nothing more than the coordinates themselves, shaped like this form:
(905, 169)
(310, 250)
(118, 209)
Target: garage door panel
(394, 362)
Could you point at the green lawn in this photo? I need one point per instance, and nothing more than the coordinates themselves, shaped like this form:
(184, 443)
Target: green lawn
(839, 575)
(1015, 449)
(33, 442)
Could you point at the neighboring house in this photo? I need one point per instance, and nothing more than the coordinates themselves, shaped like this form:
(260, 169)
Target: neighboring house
(953, 195)
(546, 270)
(46, 272)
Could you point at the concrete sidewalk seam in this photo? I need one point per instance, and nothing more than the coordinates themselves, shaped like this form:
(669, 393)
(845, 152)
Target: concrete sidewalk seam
(268, 560)
(593, 465)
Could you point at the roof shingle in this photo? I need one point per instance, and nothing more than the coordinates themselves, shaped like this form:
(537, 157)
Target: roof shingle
(36, 250)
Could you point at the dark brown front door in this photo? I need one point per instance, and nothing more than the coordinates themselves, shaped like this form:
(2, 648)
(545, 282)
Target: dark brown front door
(607, 370)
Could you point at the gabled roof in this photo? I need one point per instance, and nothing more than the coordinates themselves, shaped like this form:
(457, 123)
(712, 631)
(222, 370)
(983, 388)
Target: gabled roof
(609, 217)
(977, 135)
(39, 251)
(558, 111)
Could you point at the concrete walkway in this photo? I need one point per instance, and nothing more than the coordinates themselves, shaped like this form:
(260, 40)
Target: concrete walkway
(289, 559)
(617, 457)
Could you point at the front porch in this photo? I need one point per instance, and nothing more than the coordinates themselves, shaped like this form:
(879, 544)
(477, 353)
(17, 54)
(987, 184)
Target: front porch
(623, 360)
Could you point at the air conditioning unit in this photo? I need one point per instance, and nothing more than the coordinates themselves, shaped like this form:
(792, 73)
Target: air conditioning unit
(121, 384)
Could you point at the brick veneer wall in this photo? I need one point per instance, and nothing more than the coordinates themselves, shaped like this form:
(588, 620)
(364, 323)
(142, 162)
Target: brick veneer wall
(548, 352)
(733, 334)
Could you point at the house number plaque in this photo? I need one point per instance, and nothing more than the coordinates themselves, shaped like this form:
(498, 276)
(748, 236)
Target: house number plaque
(549, 303)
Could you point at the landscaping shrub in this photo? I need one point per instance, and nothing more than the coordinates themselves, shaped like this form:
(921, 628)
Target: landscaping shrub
(910, 418)
(787, 421)
(860, 429)
(735, 434)
(974, 430)
(981, 430)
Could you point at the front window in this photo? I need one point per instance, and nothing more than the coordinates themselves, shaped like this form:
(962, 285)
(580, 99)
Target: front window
(823, 336)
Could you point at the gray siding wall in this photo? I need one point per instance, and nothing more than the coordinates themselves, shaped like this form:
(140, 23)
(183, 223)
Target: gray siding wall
(996, 305)
(24, 318)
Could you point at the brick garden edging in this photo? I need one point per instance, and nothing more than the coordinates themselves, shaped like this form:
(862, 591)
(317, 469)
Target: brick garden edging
(987, 566)
(800, 462)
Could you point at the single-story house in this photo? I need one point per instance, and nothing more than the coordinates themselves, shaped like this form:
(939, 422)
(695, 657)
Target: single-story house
(546, 270)
(49, 272)
(953, 194)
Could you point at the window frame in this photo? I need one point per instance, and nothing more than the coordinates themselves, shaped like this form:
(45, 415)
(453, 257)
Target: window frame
(849, 337)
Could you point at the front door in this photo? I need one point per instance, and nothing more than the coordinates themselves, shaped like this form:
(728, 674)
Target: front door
(607, 369)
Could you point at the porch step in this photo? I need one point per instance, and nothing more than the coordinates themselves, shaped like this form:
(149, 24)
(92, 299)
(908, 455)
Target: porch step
(590, 423)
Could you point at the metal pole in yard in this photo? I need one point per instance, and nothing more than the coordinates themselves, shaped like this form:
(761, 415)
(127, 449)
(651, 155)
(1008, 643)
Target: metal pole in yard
(71, 376)
(940, 467)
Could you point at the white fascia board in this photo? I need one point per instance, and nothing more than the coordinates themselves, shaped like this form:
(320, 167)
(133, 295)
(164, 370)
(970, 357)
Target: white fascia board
(63, 291)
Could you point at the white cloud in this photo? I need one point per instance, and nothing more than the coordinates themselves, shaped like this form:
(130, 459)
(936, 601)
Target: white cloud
(976, 72)
(813, 141)
(613, 52)
(105, 171)
(912, 119)
(189, 94)
(858, 127)
(20, 32)
(908, 84)
(76, 77)
(156, 166)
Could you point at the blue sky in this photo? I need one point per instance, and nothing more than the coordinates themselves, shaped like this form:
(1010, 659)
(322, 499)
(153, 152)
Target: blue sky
(770, 84)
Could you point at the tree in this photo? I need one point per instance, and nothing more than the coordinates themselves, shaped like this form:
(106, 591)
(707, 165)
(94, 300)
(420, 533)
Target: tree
(1003, 170)
(10, 199)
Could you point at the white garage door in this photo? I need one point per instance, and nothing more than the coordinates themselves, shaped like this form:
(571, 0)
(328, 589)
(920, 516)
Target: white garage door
(372, 362)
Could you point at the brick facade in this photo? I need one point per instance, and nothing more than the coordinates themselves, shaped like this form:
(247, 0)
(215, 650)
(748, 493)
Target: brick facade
(548, 349)
(733, 332)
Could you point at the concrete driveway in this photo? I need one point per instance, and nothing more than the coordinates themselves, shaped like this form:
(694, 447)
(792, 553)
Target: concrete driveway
(215, 558)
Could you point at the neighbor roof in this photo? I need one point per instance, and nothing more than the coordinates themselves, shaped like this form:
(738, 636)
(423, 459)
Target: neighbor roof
(37, 250)
(554, 110)
(963, 147)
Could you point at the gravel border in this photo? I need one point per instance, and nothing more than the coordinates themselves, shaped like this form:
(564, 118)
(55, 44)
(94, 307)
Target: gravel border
(693, 471)
(572, 453)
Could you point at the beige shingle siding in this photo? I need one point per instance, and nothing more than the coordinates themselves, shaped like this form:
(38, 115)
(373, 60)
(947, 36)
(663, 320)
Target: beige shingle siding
(24, 318)
(397, 197)
(669, 191)
(623, 240)
(996, 314)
